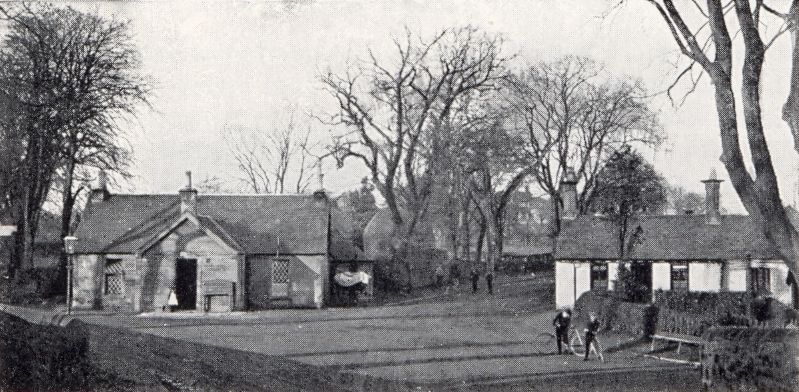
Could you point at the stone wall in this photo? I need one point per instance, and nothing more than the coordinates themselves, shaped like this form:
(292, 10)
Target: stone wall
(307, 281)
(148, 280)
(86, 281)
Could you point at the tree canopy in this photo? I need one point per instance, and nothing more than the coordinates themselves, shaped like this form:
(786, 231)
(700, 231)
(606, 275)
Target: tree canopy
(628, 186)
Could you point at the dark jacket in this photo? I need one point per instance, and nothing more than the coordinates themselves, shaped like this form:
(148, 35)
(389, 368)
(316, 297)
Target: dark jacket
(592, 327)
(560, 322)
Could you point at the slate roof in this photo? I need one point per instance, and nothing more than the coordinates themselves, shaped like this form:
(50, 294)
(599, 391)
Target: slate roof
(124, 222)
(666, 237)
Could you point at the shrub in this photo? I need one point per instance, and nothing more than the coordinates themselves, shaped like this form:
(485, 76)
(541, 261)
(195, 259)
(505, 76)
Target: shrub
(34, 357)
(393, 277)
(726, 308)
(738, 358)
(628, 287)
(33, 285)
(617, 315)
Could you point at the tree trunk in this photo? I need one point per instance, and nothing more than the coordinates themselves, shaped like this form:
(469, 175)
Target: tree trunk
(480, 240)
(68, 204)
(790, 111)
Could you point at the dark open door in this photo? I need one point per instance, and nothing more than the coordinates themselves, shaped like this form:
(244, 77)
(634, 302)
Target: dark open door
(186, 283)
(642, 272)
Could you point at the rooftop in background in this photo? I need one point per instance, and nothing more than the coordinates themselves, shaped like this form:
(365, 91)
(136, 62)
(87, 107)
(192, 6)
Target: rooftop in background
(666, 237)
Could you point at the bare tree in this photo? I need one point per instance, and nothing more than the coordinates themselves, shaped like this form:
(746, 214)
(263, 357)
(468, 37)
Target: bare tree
(393, 112)
(709, 44)
(491, 154)
(576, 117)
(68, 79)
(274, 162)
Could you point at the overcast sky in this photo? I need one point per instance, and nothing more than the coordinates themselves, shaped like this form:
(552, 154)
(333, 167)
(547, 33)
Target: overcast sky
(217, 65)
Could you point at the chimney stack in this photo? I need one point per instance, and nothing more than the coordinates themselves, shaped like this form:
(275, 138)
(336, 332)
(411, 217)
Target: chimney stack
(712, 212)
(188, 197)
(100, 191)
(568, 194)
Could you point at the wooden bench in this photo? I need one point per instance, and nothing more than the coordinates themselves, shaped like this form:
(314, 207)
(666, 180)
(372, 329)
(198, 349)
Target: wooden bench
(679, 338)
(681, 328)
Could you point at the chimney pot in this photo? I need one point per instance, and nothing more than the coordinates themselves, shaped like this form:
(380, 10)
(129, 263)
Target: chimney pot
(712, 198)
(188, 179)
(102, 180)
(100, 192)
(188, 196)
(568, 194)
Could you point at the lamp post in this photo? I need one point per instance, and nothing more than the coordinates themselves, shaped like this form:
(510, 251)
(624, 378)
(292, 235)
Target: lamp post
(69, 246)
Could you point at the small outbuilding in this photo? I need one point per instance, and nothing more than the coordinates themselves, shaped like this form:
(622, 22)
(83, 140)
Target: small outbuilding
(210, 252)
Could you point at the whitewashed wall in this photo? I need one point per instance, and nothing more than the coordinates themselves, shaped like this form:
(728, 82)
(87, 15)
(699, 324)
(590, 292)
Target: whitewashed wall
(736, 276)
(582, 275)
(564, 284)
(704, 276)
(661, 276)
(613, 274)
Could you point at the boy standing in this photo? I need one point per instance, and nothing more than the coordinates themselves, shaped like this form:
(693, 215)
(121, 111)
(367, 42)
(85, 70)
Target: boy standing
(591, 330)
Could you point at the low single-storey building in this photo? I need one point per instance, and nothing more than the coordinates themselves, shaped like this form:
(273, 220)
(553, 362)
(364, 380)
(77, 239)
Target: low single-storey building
(708, 252)
(211, 252)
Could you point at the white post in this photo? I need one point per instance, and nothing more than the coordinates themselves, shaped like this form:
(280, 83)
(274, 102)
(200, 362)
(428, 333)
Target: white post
(69, 246)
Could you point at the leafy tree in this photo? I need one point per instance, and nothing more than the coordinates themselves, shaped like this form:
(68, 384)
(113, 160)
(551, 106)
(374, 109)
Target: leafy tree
(626, 187)
(681, 201)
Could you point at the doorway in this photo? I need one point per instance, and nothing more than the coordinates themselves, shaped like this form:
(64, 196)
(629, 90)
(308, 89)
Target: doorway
(186, 284)
(642, 276)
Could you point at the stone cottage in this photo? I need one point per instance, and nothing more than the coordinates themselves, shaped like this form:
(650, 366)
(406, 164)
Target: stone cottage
(214, 252)
(708, 252)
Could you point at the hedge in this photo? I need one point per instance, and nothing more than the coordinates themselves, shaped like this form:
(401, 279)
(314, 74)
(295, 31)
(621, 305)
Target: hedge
(616, 315)
(35, 357)
(726, 308)
(742, 358)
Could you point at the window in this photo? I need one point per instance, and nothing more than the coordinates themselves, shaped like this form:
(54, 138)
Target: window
(599, 276)
(280, 271)
(280, 278)
(679, 276)
(761, 280)
(114, 277)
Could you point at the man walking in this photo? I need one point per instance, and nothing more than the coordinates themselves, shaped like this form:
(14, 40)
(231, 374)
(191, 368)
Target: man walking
(475, 279)
(440, 276)
(590, 335)
(490, 282)
(562, 322)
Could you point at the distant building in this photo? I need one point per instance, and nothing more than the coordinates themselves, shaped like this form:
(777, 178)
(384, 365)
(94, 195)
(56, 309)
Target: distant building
(215, 252)
(528, 240)
(698, 253)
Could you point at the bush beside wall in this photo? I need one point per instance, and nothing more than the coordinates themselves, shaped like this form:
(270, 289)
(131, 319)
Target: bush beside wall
(726, 308)
(617, 315)
(742, 358)
(394, 277)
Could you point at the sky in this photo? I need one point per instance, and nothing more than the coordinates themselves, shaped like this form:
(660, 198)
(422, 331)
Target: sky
(217, 65)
